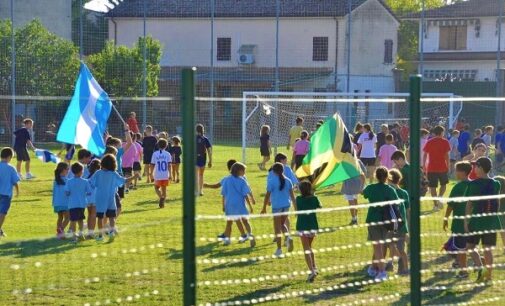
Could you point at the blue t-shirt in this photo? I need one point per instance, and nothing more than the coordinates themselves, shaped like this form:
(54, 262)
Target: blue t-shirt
(463, 140)
(497, 138)
(279, 198)
(288, 172)
(106, 184)
(60, 198)
(235, 190)
(78, 189)
(8, 178)
(22, 137)
(202, 144)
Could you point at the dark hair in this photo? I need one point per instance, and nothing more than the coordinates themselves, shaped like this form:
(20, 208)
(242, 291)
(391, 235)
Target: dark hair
(389, 137)
(6, 153)
(279, 157)
(83, 153)
(464, 166)
(306, 189)
(110, 150)
(230, 163)
(368, 127)
(77, 168)
(109, 162)
(93, 167)
(466, 127)
(381, 174)
(395, 176)
(278, 169)
(138, 136)
(299, 120)
(320, 122)
(176, 140)
(200, 129)
(236, 168)
(57, 173)
(162, 143)
(485, 164)
(304, 135)
(398, 155)
(265, 129)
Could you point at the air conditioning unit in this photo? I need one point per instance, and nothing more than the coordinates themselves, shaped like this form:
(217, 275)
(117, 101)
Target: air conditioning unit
(246, 59)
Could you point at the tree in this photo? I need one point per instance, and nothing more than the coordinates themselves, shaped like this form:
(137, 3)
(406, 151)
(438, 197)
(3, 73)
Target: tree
(119, 69)
(46, 64)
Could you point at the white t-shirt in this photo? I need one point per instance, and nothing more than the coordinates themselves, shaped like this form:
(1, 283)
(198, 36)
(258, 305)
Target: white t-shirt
(367, 145)
(161, 161)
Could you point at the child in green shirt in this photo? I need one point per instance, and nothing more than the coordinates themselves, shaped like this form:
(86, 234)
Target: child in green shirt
(398, 249)
(307, 226)
(462, 171)
(401, 164)
(490, 224)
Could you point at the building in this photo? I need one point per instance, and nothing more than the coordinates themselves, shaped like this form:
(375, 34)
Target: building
(55, 15)
(312, 46)
(460, 41)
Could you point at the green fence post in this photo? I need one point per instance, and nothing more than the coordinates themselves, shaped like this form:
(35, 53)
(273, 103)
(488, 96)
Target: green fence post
(414, 186)
(188, 180)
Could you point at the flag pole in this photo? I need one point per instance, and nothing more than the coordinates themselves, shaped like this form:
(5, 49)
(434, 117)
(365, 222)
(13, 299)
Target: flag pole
(118, 114)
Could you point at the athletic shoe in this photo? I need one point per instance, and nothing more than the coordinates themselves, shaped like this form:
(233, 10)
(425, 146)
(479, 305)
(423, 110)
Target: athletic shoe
(20, 176)
(381, 276)
(311, 277)
(226, 241)
(455, 265)
(252, 240)
(2, 234)
(29, 176)
(354, 222)
(99, 238)
(81, 237)
(290, 244)
(278, 253)
(390, 266)
(221, 236)
(243, 238)
(112, 236)
(371, 272)
(162, 203)
(462, 275)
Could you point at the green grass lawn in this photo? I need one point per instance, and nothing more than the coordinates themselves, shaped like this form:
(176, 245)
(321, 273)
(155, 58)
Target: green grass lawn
(144, 264)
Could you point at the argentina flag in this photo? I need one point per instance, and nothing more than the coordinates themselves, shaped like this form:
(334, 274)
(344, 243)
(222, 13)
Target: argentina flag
(86, 119)
(46, 156)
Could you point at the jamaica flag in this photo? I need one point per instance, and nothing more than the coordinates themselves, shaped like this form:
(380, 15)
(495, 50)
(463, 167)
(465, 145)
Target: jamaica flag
(331, 158)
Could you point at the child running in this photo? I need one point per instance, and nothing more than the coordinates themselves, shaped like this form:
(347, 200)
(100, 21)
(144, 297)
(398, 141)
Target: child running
(280, 194)
(307, 226)
(483, 229)
(374, 193)
(60, 198)
(78, 190)
(235, 192)
(148, 145)
(160, 169)
(265, 146)
(462, 171)
(176, 158)
(8, 179)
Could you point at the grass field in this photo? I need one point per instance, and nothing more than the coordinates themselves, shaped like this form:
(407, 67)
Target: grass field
(144, 264)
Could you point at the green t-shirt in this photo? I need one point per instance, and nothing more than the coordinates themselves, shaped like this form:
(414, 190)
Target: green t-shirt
(458, 209)
(378, 193)
(404, 195)
(405, 171)
(476, 188)
(307, 222)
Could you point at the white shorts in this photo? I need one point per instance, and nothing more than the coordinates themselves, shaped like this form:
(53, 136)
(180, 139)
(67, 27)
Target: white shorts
(350, 197)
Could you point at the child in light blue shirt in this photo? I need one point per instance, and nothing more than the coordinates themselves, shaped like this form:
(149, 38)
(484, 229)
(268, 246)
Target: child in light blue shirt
(60, 198)
(280, 194)
(9, 178)
(78, 190)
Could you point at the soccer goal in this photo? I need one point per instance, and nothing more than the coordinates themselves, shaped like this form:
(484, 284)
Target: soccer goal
(279, 110)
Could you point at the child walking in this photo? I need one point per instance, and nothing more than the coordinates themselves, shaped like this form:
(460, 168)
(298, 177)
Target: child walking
(235, 192)
(60, 198)
(93, 167)
(137, 166)
(160, 167)
(462, 171)
(148, 145)
(176, 152)
(280, 194)
(307, 225)
(386, 151)
(8, 179)
(395, 178)
(265, 146)
(300, 149)
(22, 141)
(351, 189)
(78, 190)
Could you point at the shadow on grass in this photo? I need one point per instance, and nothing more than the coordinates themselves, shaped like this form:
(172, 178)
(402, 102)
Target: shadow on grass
(14, 200)
(32, 248)
(253, 295)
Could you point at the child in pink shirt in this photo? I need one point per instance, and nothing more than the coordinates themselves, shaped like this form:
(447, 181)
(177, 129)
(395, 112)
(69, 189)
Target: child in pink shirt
(386, 151)
(129, 156)
(301, 148)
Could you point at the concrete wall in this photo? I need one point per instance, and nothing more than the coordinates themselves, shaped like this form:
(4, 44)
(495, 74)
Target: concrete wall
(485, 69)
(55, 15)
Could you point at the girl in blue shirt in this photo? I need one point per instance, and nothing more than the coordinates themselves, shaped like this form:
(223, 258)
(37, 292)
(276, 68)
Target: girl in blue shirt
(60, 198)
(235, 191)
(280, 194)
(78, 190)
(93, 167)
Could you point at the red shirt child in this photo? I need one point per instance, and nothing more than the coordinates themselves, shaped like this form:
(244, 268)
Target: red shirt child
(132, 123)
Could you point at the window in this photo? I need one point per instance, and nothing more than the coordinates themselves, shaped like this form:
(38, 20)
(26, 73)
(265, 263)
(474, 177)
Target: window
(452, 38)
(224, 49)
(320, 49)
(388, 51)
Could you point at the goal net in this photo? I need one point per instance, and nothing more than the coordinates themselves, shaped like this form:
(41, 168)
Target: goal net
(279, 110)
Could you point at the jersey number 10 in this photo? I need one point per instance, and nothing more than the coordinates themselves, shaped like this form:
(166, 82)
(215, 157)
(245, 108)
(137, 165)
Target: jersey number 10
(162, 166)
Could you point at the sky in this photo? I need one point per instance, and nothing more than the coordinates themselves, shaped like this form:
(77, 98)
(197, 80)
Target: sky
(99, 5)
